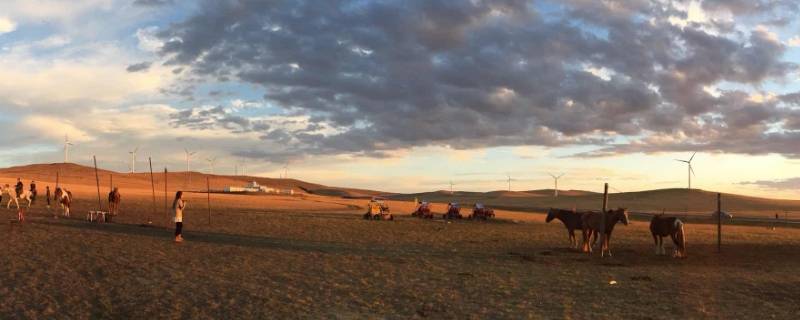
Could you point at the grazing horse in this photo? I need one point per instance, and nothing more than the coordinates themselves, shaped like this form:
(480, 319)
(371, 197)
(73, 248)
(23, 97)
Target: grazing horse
(572, 221)
(64, 199)
(114, 199)
(593, 223)
(13, 195)
(661, 226)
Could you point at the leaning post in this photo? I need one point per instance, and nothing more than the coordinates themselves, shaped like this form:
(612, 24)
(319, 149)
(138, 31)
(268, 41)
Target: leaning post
(97, 180)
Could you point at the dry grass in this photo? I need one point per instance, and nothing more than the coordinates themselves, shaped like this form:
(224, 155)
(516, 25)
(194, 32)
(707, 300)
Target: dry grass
(285, 257)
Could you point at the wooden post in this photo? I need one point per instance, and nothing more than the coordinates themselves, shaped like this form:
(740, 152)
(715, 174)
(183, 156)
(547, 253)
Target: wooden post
(97, 180)
(166, 195)
(719, 222)
(603, 217)
(208, 197)
(153, 186)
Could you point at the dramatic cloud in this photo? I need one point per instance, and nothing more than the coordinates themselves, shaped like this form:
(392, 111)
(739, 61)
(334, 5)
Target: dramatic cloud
(394, 74)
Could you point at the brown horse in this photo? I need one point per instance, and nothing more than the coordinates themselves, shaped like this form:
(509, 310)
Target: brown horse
(114, 199)
(572, 221)
(661, 226)
(593, 223)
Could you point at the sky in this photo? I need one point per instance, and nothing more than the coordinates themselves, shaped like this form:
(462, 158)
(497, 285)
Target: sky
(410, 96)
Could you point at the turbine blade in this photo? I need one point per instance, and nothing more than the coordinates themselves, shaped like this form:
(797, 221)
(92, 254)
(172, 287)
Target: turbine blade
(693, 154)
(691, 170)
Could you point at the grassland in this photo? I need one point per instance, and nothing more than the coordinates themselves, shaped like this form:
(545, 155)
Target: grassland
(313, 257)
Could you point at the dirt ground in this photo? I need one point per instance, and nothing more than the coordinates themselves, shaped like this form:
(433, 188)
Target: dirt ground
(313, 257)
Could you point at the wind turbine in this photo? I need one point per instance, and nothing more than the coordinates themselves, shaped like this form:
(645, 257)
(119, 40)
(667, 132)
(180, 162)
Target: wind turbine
(691, 171)
(509, 181)
(211, 162)
(188, 172)
(133, 159)
(556, 177)
(66, 148)
(286, 171)
(451, 186)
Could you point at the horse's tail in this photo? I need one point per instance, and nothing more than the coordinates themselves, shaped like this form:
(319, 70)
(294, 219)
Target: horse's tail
(680, 237)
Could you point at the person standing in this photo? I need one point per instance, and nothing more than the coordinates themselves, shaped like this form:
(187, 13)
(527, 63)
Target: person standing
(19, 187)
(33, 191)
(178, 205)
(47, 193)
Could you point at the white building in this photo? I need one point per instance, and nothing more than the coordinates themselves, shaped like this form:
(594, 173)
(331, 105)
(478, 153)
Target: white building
(251, 186)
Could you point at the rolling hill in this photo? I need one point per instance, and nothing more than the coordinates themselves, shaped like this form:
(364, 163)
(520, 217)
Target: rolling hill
(670, 200)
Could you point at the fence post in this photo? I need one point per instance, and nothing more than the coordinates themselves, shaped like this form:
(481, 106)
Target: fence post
(97, 180)
(719, 222)
(166, 195)
(153, 186)
(208, 197)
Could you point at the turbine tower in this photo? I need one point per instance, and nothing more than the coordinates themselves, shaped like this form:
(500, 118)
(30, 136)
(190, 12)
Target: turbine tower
(188, 173)
(451, 186)
(66, 148)
(133, 159)
(691, 171)
(211, 162)
(509, 181)
(556, 177)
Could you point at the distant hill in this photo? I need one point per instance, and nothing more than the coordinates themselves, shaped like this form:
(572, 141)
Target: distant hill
(75, 174)
(670, 200)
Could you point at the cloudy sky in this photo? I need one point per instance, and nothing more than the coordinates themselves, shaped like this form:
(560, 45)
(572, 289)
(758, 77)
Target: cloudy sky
(410, 95)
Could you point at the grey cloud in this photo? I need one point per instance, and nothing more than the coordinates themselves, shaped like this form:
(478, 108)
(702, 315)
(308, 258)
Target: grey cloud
(467, 74)
(784, 184)
(153, 3)
(142, 66)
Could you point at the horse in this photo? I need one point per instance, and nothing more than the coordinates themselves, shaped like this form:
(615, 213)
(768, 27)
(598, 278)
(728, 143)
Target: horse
(594, 222)
(572, 221)
(661, 226)
(13, 195)
(64, 199)
(114, 199)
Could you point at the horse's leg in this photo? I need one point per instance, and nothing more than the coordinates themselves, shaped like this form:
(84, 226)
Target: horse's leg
(608, 243)
(676, 253)
(572, 242)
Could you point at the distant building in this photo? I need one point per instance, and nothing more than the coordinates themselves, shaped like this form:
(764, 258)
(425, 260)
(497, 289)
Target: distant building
(251, 186)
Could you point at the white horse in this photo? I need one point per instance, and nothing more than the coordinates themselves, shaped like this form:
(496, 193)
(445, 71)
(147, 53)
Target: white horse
(64, 199)
(13, 196)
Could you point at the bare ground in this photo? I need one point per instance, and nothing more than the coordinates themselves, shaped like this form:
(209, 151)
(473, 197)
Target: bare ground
(284, 257)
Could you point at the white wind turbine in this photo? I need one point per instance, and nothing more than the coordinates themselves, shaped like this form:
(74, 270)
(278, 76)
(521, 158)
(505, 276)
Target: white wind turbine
(556, 177)
(509, 181)
(286, 171)
(133, 159)
(451, 186)
(211, 162)
(188, 172)
(66, 148)
(691, 171)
